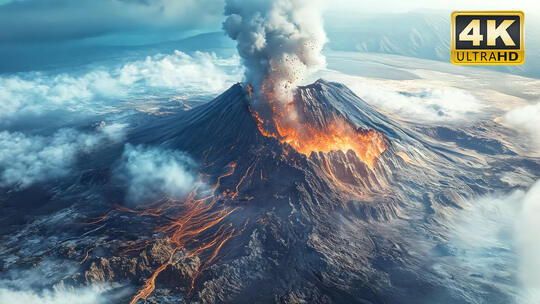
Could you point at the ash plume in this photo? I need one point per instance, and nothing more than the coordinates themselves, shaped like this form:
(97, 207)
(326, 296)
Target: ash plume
(279, 41)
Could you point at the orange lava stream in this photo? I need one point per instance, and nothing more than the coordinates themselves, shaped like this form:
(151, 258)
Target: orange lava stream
(338, 135)
(250, 91)
(150, 284)
(86, 256)
(193, 225)
(188, 230)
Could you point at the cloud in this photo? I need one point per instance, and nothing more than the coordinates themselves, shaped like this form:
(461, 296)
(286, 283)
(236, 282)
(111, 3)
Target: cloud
(528, 240)
(25, 160)
(100, 89)
(150, 173)
(43, 284)
(525, 119)
(56, 295)
(54, 20)
(419, 104)
(497, 237)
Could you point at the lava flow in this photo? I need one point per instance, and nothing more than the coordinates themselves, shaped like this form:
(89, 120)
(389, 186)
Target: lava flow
(193, 226)
(339, 135)
(306, 137)
(196, 229)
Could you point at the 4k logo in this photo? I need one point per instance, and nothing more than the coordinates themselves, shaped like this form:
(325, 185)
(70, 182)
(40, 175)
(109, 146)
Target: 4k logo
(486, 38)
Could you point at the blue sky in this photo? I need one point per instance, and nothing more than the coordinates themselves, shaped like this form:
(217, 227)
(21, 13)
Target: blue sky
(43, 34)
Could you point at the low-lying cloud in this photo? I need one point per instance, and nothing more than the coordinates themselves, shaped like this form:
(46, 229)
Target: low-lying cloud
(444, 104)
(151, 172)
(497, 231)
(56, 295)
(43, 285)
(104, 88)
(528, 240)
(25, 160)
(426, 105)
(525, 119)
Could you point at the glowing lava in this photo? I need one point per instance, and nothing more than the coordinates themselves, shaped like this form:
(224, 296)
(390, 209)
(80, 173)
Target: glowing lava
(196, 229)
(305, 137)
(339, 135)
(193, 226)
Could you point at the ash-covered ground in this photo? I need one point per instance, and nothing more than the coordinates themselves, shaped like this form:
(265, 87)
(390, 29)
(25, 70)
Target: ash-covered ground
(253, 220)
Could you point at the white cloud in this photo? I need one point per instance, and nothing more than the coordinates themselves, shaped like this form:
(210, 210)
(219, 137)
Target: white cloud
(99, 89)
(444, 104)
(56, 295)
(43, 284)
(25, 160)
(151, 172)
(525, 118)
(412, 102)
(528, 239)
(494, 232)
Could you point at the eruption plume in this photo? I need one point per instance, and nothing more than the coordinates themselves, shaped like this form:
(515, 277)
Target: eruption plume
(280, 41)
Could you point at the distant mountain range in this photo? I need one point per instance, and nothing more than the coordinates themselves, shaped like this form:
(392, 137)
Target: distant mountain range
(416, 34)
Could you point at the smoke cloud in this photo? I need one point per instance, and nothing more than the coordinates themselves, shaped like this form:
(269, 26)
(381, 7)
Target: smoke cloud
(25, 160)
(279, 41)
(151, 173)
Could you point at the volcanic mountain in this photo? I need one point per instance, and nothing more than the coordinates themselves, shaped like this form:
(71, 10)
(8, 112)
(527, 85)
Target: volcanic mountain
(328, 226)
(353, 208)
(228, 131)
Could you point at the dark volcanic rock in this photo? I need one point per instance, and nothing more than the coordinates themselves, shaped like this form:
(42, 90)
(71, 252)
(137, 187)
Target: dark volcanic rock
(318, 228)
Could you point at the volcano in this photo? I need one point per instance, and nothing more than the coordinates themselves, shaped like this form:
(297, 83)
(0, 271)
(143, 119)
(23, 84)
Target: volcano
(291, 221)
(351, 208)
(228, 131)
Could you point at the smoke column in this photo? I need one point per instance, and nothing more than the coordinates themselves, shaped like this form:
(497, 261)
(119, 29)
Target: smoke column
(279, 41)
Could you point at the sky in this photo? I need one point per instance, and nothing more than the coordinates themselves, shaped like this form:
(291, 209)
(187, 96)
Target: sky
(392, 6)
(59, 20)
(32, 21)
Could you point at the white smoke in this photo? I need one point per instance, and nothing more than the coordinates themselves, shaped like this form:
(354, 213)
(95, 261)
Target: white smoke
(279, 41)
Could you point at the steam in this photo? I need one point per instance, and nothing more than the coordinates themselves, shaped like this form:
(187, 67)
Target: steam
(279, 42)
